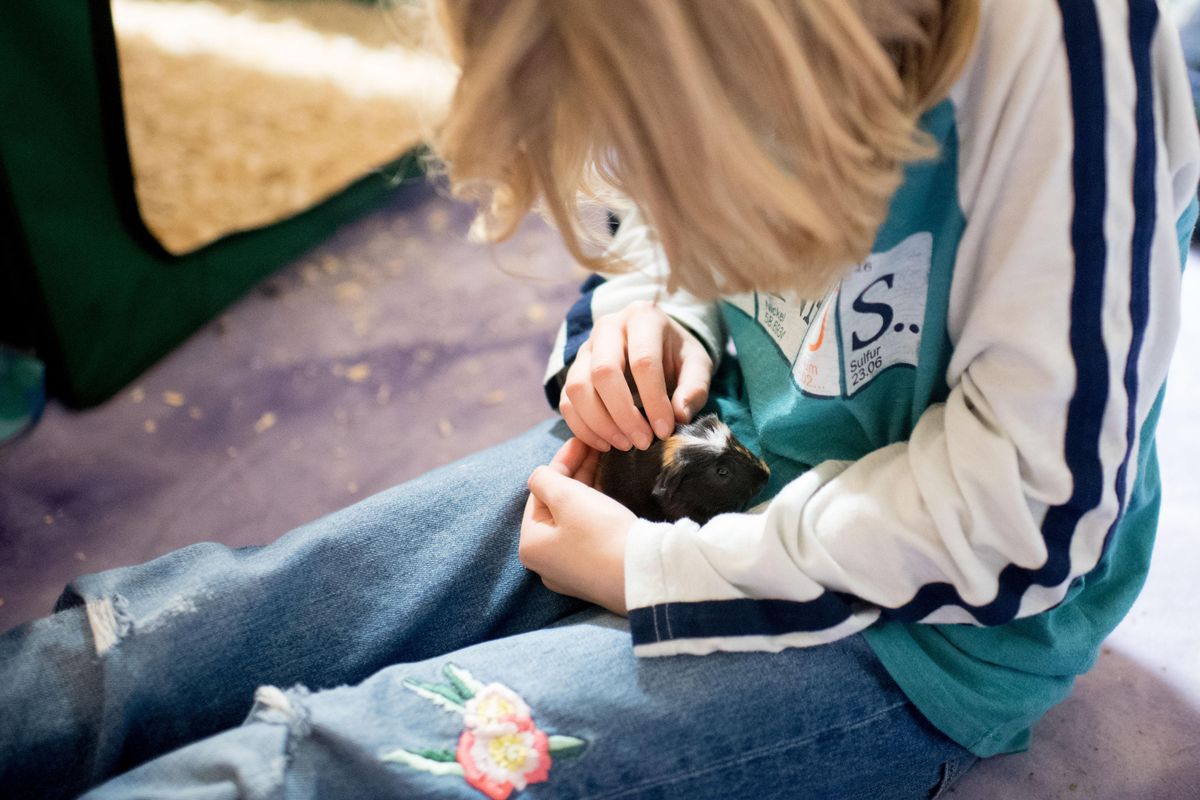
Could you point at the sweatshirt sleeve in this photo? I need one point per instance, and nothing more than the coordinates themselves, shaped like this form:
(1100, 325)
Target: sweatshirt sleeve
(604, 294)
(1078, 157)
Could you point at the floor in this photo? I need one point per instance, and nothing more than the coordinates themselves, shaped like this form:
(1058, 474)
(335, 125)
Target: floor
(398, 346)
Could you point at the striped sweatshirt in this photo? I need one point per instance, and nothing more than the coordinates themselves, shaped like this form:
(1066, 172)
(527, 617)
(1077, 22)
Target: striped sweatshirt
(961, 434)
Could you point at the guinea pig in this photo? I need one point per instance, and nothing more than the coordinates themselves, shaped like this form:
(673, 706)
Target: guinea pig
(697, 472)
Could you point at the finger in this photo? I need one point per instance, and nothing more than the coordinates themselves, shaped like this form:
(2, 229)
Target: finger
(695, 376)
(645, 348)
(570, 456)
(537, 529)
(536, 512)
(586, 474)
(608, 376)
(580, 428)
(565, 498)
(551, 487)
(589, 408)
(594, 413)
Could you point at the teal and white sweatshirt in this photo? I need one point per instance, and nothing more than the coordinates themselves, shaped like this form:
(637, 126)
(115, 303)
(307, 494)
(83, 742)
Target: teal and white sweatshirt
(961, 435)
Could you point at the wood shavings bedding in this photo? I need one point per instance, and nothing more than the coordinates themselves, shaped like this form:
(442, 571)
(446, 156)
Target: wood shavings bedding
(240, 113)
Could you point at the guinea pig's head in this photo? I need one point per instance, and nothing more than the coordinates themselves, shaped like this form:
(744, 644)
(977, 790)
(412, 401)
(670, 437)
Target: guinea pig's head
(706, 471)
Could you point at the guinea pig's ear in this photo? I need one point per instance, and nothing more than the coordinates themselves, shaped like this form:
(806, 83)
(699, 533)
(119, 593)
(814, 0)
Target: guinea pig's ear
(667, 482)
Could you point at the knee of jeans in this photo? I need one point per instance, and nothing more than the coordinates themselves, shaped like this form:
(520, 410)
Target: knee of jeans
(275, 706)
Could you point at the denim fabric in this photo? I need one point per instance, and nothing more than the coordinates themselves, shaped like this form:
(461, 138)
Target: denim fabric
(301, 668)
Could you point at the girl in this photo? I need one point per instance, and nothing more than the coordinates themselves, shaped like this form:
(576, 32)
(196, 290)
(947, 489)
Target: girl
(944, 240)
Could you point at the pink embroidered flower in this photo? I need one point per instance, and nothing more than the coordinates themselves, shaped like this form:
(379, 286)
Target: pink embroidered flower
(497, 763)
(491, 707)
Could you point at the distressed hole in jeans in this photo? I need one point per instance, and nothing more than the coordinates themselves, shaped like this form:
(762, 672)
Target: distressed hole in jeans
(176, 607)
(277, 707)
(109, 620)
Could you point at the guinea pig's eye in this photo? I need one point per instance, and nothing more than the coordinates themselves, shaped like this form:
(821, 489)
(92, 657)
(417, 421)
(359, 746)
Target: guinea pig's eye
(722, 471)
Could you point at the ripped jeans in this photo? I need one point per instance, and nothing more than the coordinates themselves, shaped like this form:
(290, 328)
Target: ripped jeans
(397, 648)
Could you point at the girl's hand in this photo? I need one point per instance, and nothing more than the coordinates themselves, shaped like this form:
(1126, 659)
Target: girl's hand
(572, 535)
(670, 368)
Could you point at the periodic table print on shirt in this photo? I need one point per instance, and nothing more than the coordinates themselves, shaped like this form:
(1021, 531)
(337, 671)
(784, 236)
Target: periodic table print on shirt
(872, 321)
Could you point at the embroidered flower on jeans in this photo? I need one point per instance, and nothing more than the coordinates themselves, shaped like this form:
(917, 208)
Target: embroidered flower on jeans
(492, 707)
(500, 750)
(508, 757)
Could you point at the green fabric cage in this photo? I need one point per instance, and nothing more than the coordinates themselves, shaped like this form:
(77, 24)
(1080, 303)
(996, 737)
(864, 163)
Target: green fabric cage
(83, 283)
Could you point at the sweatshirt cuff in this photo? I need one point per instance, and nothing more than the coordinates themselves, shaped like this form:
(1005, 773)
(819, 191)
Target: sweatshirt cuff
(645, 571)
(682, 603)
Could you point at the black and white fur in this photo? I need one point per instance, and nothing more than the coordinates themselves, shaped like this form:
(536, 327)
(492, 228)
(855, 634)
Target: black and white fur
(699, 471)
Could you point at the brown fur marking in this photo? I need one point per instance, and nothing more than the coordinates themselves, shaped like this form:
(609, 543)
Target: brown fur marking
(669, 446)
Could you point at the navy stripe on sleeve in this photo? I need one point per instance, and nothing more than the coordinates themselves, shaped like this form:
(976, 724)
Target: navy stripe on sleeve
(579, 318)
(579, 327)
(740, 617)
(1085, 412)
(1143, 20)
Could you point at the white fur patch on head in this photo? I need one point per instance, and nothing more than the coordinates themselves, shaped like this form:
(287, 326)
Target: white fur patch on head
(715, 438)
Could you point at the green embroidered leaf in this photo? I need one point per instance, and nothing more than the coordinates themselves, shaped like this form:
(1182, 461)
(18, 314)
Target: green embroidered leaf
(566, 746)
(435, 755)
(421, 762)
(443, 696)
(463, 681)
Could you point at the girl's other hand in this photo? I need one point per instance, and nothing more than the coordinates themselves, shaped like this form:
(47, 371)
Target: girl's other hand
(573, 536)
(669, 367)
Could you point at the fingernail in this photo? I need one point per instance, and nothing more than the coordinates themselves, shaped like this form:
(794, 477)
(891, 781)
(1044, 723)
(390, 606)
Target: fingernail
(622, 443)
(643, 441)
(687, 411)
(664, 428)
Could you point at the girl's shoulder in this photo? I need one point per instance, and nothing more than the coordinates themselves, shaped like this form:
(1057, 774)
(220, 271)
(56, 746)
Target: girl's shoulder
(1039, 42)
(1042, 70)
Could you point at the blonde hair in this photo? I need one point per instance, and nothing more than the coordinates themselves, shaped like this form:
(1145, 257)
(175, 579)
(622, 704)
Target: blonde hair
(761, 139)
